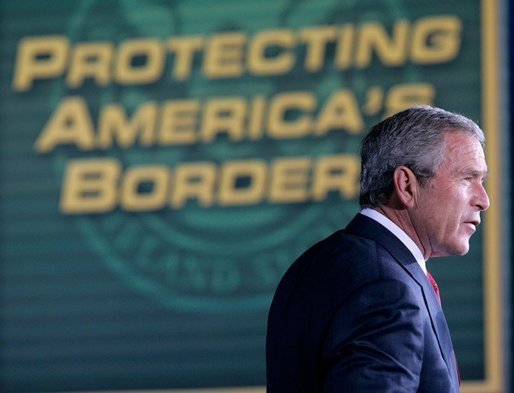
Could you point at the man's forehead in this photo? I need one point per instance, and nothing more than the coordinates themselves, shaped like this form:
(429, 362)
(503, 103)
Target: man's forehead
(464, 153)
(462, 143)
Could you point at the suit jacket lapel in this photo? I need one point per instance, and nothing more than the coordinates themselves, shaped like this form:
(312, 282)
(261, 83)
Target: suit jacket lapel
(369, 228)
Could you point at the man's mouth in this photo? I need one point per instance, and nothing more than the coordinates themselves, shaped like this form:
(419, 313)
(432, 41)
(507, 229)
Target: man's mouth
(473, 223)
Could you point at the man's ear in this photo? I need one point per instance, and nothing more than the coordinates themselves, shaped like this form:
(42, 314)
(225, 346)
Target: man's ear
(405, 186)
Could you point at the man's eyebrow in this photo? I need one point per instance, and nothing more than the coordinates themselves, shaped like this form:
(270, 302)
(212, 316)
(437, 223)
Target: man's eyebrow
(476, 173)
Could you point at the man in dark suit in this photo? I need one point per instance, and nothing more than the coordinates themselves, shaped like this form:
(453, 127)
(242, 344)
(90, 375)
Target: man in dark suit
(359, 312)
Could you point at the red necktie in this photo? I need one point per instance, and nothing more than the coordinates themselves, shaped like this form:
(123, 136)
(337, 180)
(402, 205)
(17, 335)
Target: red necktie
(434, 285)
(438, 295)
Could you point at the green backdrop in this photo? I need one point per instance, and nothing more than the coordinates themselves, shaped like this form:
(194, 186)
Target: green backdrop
(225, 137)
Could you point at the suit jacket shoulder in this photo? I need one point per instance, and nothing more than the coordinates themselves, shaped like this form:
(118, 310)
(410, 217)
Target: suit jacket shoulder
(359, 280)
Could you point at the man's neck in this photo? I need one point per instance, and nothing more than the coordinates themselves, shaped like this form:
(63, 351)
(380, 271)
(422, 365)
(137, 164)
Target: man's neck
(379, 216)
(401, 218)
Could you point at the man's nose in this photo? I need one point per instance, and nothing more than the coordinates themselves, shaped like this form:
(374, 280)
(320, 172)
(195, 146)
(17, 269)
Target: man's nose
(482, 199)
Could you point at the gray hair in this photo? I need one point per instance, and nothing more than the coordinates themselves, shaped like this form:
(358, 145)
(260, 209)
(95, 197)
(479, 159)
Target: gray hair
(411, 138)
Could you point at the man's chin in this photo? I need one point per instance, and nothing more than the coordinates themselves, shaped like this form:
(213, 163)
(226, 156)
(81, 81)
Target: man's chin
(463, 249)
(456, 250)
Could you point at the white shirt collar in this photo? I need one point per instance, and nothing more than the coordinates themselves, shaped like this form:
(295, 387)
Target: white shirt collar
(399, 233)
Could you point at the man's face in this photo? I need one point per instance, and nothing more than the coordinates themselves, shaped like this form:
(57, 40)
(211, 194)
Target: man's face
(448, 208)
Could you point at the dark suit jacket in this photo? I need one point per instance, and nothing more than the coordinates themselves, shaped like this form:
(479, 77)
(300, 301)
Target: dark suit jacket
(356, 313)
